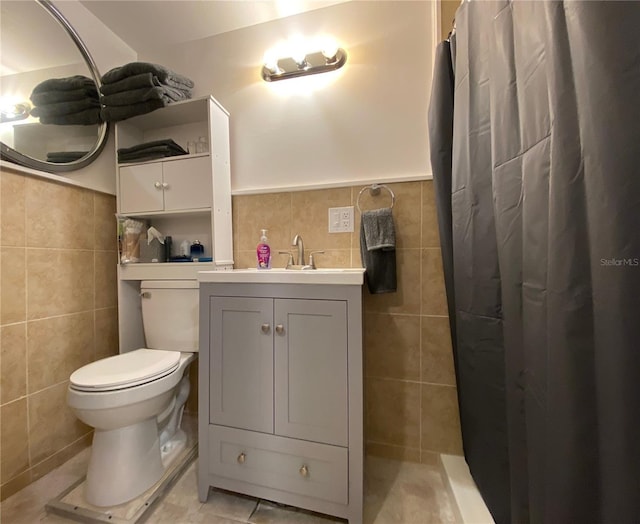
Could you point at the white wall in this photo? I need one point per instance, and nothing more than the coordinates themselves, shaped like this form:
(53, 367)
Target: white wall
(366, 122)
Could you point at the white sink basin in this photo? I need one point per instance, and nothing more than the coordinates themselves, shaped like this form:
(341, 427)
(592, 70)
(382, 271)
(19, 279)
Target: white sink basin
(341, 276)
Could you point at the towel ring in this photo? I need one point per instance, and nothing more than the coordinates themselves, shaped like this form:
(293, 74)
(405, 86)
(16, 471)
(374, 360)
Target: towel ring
(374, 190)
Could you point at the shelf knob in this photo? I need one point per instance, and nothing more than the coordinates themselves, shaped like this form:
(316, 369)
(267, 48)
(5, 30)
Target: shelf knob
(304, 471)
(241, 458)
(157, 185)
(265, 328)
(165, 185)
(279, 329)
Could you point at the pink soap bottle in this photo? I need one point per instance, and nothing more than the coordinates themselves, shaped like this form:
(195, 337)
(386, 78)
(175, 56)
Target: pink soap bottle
(263, 252)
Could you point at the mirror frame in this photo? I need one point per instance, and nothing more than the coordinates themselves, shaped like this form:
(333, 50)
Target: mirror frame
(8, 153)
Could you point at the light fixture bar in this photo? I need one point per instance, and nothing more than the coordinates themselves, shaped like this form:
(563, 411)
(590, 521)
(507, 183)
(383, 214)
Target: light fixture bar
(313, 63)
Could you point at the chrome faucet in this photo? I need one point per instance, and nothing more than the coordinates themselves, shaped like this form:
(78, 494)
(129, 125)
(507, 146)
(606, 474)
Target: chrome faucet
(297, 242)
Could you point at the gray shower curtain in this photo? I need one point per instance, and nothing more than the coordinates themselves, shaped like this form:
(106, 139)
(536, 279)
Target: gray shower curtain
(545, 236)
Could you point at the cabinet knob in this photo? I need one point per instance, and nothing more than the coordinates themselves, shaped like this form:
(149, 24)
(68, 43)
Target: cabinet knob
(279, 329)
(165, 185)
(241, 458)
(265, 328)
(157, 185)
(304, 471)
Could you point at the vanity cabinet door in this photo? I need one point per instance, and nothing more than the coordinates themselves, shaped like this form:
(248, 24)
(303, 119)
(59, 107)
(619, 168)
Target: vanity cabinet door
(311, 387)
(187, 184)
(241, 363)
(140, 188)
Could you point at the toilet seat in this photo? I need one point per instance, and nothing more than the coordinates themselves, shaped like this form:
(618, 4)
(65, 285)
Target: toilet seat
(125, 370)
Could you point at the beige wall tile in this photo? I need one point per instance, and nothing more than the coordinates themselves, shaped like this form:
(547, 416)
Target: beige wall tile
(15, 449)
(393, 412)
(331, 258)
(434, 298)
(376, 449)
(407, 298)
(42, 468)
(431, 458)
(12, 486)
(67, 224)
(105, 236)
(437, 354)
(106, 333)
(57, 346)
(392, 346)
(106, 284)
(430, 234)
(52, 425)
(60, 282)
(12, 285)
(13, 379)
(246, 259)
(440, 420)
(310, 217)
(12, 209)
(269, 211)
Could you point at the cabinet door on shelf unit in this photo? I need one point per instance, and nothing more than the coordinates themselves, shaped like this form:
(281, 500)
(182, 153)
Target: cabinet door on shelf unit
(241, 363)
(311, 387)
(140, 188)
(188, 184)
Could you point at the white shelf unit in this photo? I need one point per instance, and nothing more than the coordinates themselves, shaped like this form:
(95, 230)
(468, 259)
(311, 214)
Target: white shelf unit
(187, 197)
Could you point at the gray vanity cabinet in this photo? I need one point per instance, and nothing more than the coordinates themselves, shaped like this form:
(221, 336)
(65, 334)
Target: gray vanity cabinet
(281, 394)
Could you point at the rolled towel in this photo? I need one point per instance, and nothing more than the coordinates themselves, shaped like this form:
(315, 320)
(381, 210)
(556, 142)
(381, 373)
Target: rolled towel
(130, 83)
(117, 113)
(64, 84)
(65, 108)
(81, 118)
(164, 75)
(125, 98)
(54, 97)
(379, 229)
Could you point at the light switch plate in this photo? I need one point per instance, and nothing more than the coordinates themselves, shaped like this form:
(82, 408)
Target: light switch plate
(341, 219)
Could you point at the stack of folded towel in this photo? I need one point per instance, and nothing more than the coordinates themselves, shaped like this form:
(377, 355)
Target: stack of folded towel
(378, 250)
(140, 87)
(149, 151)
(66, 101)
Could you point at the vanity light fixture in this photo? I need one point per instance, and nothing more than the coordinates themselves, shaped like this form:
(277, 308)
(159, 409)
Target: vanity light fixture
(301, 64)
(14, 111)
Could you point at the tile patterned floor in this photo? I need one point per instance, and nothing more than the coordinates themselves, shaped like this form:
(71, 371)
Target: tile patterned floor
(395, 493)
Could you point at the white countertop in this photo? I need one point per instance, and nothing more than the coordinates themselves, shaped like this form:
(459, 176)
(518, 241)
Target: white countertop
(331, 276)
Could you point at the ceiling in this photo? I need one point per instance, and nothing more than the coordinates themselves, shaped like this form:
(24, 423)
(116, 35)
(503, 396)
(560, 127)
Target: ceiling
(144, 24)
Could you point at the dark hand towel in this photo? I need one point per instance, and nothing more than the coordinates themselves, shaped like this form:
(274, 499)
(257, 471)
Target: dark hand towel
(87, 117)
(143, 94)
(165, 75)
(379, 231)
(64, 84)
(380, 265)
(54, 97)
(116, 113)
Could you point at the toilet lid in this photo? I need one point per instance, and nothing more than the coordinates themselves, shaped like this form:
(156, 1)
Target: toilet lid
(125, 370)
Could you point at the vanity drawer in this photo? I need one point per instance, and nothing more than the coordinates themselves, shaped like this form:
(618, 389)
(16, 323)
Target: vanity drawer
(296, 466)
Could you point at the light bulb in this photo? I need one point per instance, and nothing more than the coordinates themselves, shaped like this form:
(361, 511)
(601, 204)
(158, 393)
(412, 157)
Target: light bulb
(330, 51)
(300, 58)
(271, 62)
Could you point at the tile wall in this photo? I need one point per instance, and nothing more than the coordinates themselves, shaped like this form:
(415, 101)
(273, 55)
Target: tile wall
(57, 312)
(410, 392)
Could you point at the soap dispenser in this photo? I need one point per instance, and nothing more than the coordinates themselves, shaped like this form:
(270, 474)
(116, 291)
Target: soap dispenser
(263, 252)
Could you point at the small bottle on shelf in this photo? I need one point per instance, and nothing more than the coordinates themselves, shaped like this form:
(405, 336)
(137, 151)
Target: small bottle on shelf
(202, 146)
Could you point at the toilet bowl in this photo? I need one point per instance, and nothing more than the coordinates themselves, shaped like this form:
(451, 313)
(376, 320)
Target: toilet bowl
(135, 400)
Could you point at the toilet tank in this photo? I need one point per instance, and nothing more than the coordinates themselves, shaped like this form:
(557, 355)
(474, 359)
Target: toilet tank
(170, 314)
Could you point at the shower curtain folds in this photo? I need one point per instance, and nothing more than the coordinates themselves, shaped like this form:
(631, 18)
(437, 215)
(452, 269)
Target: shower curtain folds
(544, 254)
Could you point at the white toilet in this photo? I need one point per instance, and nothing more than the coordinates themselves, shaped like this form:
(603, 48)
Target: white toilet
(135, 400)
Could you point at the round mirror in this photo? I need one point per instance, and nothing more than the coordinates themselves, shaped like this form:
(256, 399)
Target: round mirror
(49, 90)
